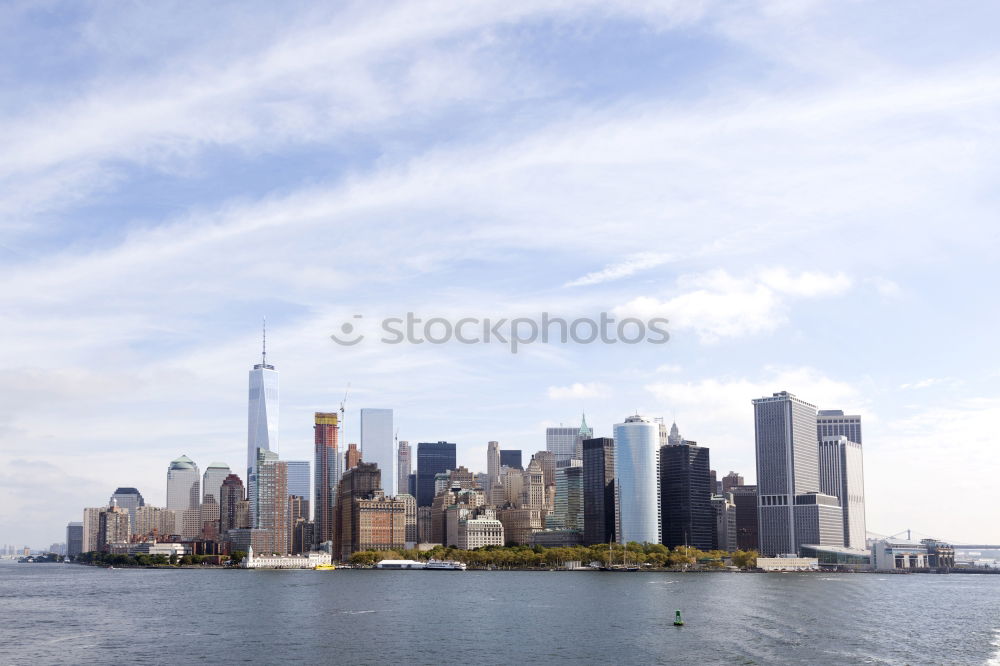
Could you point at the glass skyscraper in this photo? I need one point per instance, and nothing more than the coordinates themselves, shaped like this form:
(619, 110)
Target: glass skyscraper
(377, 445)
(637, 477)
(599, 514)
(686, 496)
(262, 417)
(298, 481)
(432, 458)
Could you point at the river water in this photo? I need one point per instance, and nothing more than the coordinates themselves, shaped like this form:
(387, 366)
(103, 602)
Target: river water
(60, 613)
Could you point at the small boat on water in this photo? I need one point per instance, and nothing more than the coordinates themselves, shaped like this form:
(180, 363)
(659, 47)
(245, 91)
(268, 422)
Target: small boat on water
(445, 565)
(324, 567)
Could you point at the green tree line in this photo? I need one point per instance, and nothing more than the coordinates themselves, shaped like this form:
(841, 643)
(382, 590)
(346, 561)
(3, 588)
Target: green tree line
(524, 557)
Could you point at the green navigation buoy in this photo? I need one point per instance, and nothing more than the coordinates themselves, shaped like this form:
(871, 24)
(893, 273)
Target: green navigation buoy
(678, 622)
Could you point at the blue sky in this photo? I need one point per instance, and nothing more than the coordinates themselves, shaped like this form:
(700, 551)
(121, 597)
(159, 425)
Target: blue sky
(806, 190)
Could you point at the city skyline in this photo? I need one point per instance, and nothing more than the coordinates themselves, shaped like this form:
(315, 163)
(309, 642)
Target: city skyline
(800, 191)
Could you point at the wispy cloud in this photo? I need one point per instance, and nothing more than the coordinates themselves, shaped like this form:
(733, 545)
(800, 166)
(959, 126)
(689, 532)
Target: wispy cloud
(630, 266)
(577, 391)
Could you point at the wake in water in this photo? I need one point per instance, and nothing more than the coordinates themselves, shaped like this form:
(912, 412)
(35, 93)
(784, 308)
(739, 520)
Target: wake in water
(995, 658)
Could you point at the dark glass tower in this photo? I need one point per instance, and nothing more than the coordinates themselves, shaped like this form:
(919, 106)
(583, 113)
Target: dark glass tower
(511, 458)
(599, 491)
(688, 518)
(432, 458)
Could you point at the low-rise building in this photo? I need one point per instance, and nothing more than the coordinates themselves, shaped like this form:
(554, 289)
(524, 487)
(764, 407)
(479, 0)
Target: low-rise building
(899, 554)
(557, 538)
(309, 560)
(839, 558)
(788, 563)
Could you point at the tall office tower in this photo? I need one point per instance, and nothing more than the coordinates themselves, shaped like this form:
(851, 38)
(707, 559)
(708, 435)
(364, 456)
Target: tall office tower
(730, 481)
(674, 436)
(432, 458)
(327, 470)
(91, 522)
(787, 472)
(412, 484)
(547, 461)
(184, 496)
(352, 456)
(841, 474)
(112, 527)
(404, 466)
(568, 503)
(585, 433)
(637, 476)
(599, 491)
(511, 458)
(688, 518)
(298, 483)
(724, 537)
(211, 485)
(533, 490)
(231, 494)
(129, 499)
(834, 423)
(492, 470)
(358, 482)
(377, 444)
(561, 442)
(262, 414)
(271, 500)
(74, 539)
(410, 514)
(745, 499)
(154, 522)
(714, 484)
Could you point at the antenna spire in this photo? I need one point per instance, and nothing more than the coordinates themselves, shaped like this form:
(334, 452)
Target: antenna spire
(263, 349)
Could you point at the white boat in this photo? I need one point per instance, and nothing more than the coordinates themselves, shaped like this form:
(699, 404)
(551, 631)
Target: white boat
(445, 565)
(399, 564)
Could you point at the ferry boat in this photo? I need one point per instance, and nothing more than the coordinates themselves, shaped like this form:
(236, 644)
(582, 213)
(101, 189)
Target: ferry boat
(399, 564)
(324, 567)
(445, 565)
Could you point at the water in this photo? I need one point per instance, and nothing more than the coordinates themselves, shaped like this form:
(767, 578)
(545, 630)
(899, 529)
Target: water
(57, 613)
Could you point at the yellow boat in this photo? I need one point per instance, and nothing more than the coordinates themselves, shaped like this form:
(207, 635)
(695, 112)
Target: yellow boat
(324, 567)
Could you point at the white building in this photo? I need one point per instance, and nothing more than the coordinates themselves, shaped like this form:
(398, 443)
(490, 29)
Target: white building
(184, 496)
(891, 554)
(637, 479)
(484, 530)
(377, 445)
(309, 560)
(788, 563)
(841, 474)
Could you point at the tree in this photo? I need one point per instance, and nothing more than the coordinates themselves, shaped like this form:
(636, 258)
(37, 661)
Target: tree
(745, 559)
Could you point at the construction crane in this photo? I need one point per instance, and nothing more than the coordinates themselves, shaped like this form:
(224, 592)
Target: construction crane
(343, 403)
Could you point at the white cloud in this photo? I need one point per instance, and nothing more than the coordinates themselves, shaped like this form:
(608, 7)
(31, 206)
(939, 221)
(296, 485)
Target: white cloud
(577, 391)
(630, 266)
(716, 305)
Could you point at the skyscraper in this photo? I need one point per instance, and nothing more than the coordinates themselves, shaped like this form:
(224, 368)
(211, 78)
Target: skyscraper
(834, 423)
(788, 477)
(358, 482)
(129, 499)
(568, 513)
(404, 465)
(74, 539)
(745, 499)
(184, 496)
(262, 413)
(730, 481)
(511, 458)
(599, 491)
(298, 483)
(561, 442)
(432, 458)
(688, 518)
(492, 469)
(231, 496)
(271, 501)
(112, 527)
(211, 486)
(637, 449)
(352, 456)
(377, 444)
(327, 470)
(841, 474)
